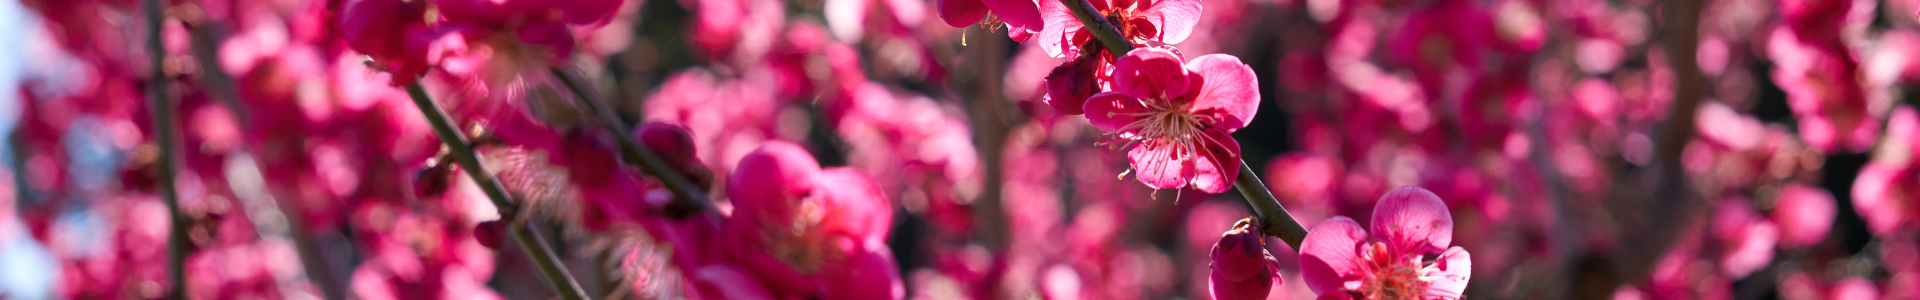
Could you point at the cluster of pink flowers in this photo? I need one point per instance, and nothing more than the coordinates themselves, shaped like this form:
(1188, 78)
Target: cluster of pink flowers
(891, 149)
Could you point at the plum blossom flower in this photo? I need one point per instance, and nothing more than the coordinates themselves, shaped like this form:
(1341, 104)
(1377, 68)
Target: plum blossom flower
(1022, 17)
(1884, 194)
(1176, 118)
(1339, 260)
(1140, 22)
(809, 232)
(1242, 268)
(1804, 215)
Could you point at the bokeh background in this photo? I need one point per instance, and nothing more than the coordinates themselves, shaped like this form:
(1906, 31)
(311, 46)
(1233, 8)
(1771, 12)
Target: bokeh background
(1586, 148)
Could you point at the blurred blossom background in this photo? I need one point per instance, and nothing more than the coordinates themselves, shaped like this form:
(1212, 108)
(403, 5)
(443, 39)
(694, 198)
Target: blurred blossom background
(1585, 149)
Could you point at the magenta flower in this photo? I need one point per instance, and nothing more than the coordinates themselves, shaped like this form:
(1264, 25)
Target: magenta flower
(808, 232)
(1022, 17)
(1340, 261)
(1163, 21)
(1242, 268)
(1884, 195)
(1176, 118)
(1804, 215)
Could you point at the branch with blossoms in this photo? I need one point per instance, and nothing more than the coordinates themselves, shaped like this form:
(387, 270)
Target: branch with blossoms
(528, 237)
(1273, 218)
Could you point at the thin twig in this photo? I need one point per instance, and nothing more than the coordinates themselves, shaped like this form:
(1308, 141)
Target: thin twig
(689, 198)
(1275, 221)
(461, 149)
(1108, 35)
(165, 135)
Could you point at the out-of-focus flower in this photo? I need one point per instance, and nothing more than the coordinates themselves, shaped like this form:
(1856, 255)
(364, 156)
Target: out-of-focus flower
(808, 232)
(1884, 194)
(1143, 23)
(1242, 268)
(1022, 17)
(1175, 119)
(1804, 215)
(1747, 239)
(1338, 259)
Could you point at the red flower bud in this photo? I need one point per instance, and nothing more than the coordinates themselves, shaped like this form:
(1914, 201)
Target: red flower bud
(1242, 268)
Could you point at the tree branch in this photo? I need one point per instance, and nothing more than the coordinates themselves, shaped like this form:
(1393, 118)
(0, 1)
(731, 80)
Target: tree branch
(1274, 219)
(528, 237)
(165, 137)
(1108, 35)
(689, 198)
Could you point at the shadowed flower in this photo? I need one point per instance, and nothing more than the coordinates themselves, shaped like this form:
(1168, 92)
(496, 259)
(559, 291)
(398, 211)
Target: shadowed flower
(1176, 118)
(1242, 268)
(1340, 261)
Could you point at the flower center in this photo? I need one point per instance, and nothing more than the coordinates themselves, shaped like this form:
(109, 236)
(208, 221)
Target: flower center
(1165, 124)
(800, 244)
(1392, 276)
(1120, 17)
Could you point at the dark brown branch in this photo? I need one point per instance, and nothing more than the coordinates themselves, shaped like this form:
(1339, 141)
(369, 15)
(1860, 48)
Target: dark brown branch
(164, 139)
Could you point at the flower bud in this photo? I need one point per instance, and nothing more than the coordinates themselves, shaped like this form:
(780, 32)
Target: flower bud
(488, 233)
(1242, 268)
(1069, 85)
(674, 145)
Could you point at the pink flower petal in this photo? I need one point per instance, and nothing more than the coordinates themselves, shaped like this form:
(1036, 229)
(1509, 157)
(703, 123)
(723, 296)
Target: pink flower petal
(1159, 166)
(1056, 37)
(590, 12)
(860, 207)
(1150, 73)
(1805, 214)
(962, 13)
(767, 183)
(1450, 272)
(554, 36)
(1219, 164)
(1018, 14)
(1875, 192)
(1328, 255)
(1174, 18)
(868, 273)
(1228, 90)
(1413, 221)
(1112, 111)
(724, 281)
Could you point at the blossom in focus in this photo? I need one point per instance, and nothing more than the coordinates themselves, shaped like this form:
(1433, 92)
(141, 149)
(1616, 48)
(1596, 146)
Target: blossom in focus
(1175, 118)
(1242, 268)
(1339, 260)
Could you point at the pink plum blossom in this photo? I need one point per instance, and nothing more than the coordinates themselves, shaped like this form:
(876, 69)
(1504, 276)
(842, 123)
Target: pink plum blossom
(1339, 260)
(1022, 17)
(1175, 118)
